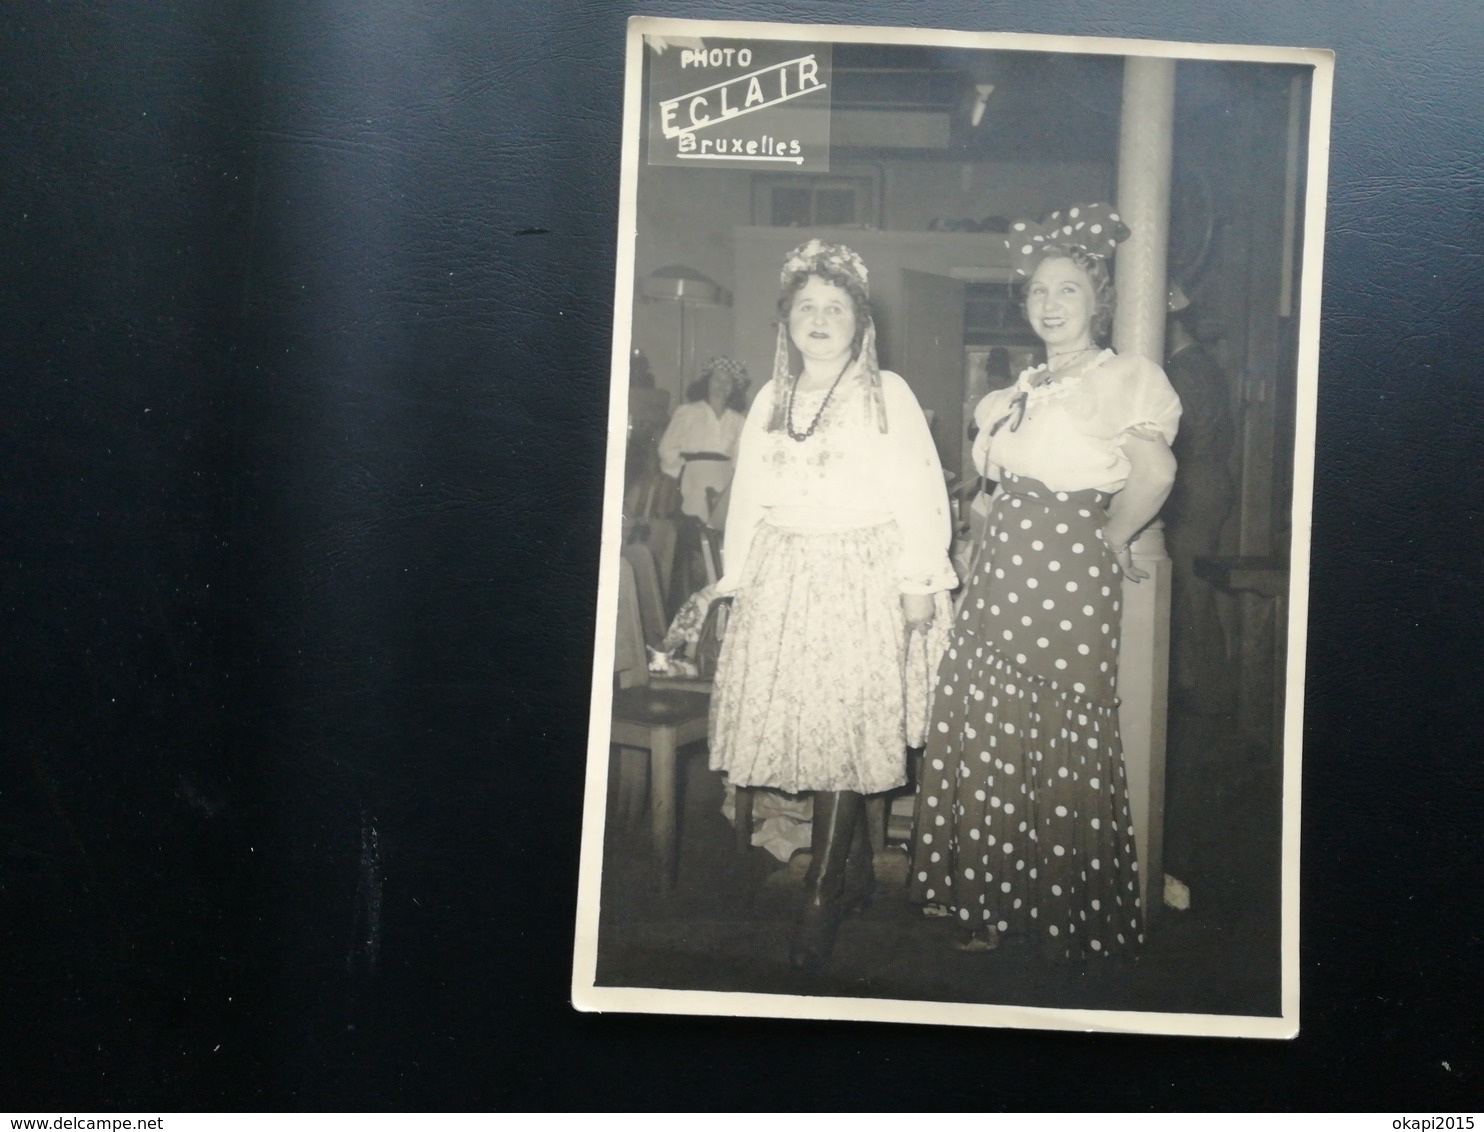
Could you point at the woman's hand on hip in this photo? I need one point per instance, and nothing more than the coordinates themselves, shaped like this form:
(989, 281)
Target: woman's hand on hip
(918, 610)
(1125, 555)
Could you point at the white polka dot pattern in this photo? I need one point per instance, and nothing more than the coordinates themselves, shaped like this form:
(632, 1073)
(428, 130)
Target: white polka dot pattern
(1031, 798)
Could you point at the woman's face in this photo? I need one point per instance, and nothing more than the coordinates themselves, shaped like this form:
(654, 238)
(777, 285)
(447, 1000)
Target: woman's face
(1060, 303)
(821, 322)
(718, 387)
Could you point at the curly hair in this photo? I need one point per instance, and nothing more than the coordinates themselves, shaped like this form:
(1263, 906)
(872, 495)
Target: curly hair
(1105, 298)
(795, 281)
(700, 389)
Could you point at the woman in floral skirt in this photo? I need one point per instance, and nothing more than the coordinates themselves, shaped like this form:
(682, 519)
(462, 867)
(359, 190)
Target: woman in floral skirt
(836, 547)
(1023, 821)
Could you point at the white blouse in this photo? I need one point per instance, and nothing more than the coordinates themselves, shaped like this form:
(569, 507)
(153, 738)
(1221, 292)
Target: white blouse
(1071, 433)
(695, 427)
(848, 474)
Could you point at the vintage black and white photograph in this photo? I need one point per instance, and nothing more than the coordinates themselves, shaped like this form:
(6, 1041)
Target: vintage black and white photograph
(955, 554)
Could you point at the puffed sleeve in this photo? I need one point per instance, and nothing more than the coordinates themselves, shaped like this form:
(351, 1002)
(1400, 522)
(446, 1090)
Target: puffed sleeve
(1139, 400)
(912, 484)
(745, 510)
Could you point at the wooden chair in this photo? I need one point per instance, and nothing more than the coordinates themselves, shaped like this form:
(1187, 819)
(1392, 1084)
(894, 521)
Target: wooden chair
(721, 504)
(647, 590)
(711, 554)
(653, 496)
(630, 663)
(660, 537)
(652, 619)
(698, 560)
(660, 720)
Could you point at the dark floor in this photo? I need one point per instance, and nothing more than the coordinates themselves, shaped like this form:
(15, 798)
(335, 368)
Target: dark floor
(726, 925)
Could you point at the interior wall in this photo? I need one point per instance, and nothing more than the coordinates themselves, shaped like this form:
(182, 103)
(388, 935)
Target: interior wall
(917, 192)
(687, 217)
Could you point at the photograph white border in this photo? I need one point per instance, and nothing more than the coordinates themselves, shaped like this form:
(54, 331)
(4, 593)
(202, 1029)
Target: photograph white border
(586, 994)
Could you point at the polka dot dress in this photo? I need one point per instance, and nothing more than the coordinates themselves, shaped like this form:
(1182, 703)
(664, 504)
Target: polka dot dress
(1022, 815)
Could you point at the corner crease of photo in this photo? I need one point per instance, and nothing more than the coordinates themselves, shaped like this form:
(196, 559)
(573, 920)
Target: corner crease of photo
(951, 615)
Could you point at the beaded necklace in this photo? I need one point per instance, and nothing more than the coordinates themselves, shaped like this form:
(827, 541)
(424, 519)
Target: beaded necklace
(823, 405)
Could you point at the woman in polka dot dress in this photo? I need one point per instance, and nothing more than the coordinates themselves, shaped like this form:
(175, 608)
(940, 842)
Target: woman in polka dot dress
(1023, 822)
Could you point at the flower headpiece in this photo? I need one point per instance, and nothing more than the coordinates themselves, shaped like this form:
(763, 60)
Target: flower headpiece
(819, 257)
(822, 258)
(1094, 228)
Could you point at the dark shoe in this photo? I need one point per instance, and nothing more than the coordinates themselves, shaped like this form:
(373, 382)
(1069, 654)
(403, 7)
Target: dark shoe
(827, 894)
(814, 936)
(978, 939)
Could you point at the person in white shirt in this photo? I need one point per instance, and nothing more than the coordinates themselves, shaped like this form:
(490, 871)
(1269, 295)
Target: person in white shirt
(836, 547)
(700, 443)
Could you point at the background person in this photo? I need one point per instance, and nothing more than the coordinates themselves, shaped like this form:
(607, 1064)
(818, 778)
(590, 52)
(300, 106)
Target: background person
(1195, 513)
(698, 447)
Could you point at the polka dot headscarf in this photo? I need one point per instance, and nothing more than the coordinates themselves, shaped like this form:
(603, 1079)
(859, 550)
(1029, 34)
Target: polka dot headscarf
(1095, 228)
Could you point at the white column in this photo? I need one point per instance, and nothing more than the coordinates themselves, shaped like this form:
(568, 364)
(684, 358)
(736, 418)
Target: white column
(1146, 140)
(1145, 145)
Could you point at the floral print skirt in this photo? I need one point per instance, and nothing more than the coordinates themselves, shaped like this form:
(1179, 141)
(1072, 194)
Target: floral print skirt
(1022, 816)
(809, 684)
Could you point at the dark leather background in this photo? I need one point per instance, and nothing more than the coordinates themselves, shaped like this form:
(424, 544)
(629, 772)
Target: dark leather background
(305, 323)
